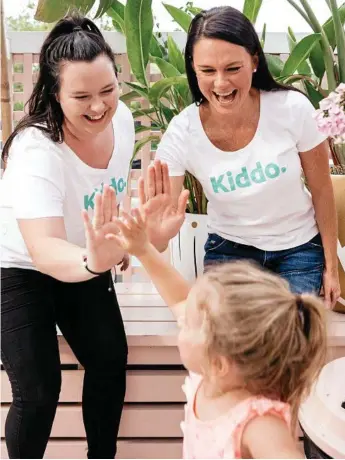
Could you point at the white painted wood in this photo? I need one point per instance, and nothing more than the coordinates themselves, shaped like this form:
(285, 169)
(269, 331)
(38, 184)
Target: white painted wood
(187, 248)
(136, 300)
(324, 406)
(157, 328)
(136, 288)
(147, 314)
(31, 42)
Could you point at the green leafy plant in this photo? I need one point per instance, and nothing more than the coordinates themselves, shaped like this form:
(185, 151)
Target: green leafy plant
(312, 61)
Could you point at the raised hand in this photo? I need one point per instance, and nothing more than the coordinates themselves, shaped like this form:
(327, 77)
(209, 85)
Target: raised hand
(163, 218)
(102, 254)
(132, 236)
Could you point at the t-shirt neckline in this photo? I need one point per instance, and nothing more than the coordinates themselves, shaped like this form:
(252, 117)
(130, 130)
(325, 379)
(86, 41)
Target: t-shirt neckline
(250, 144)
(85, 166)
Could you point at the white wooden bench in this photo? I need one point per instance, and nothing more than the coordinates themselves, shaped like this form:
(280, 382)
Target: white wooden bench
(150, 426)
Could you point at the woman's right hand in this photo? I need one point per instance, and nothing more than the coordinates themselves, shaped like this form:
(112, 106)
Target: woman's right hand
(163, 218)
(102, 254)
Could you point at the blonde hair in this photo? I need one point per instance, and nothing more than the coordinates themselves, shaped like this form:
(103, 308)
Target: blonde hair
(276, 339)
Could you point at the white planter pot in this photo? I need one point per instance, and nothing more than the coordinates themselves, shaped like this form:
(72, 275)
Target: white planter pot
(187, 248)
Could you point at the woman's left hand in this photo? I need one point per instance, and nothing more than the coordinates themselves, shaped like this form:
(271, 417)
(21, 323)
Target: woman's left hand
(101, 253)
(331, 287)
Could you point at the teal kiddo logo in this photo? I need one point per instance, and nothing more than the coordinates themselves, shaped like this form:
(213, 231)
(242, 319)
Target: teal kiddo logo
(118, 186)
(229, 182)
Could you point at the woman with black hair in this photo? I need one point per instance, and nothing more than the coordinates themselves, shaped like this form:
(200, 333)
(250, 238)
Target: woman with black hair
(71, 152)
(247, 138)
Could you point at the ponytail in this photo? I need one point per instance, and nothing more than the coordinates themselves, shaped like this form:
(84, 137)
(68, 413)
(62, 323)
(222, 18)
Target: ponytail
(74, 38)
(313, 350)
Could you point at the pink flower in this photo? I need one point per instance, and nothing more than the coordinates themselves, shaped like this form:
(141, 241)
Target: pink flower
(330, 117)
(341, 88)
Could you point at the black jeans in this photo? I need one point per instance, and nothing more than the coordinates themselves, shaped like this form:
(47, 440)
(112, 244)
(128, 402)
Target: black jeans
(89, 317)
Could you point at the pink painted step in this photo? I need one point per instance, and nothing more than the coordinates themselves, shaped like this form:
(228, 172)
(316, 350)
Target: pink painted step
(138, 421)
(127, 449)
(142, 386)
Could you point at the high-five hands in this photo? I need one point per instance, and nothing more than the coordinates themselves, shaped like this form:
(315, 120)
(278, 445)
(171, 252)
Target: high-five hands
(163, 218)
(102, 254)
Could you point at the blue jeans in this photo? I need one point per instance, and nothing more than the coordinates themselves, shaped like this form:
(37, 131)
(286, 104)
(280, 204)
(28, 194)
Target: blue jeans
(301, 266)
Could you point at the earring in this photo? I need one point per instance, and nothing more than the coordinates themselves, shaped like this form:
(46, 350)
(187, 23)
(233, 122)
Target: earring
(254, 70)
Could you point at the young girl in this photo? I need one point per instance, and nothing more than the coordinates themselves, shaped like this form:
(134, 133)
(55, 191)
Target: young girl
(252, 347)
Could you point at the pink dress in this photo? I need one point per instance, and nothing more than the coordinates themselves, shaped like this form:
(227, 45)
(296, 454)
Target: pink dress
(221, 438)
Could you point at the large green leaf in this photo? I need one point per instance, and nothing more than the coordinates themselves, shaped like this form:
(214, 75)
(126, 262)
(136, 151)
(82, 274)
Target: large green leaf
(183, 19)
(141, 90)
(168, 114)
(296, 77)
(317, 61)
(175, 55)
(167, 69)
(314, 95)
(162, 86)
(117, 14)
(316, 57)
(195, 10)
(142, 129)
(275, 64)
(327, 54)
(139, 27)
(140, 144)
(53, 10)
(339, 38)
(103, 7)
(328, 26)
(127, 97)
(143, 112)
(251, 9)
(155, 47)
(304, 67)
(300, 53)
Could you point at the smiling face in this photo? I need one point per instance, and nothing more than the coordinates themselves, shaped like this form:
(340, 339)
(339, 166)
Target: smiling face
(88, 95)
(224, 72)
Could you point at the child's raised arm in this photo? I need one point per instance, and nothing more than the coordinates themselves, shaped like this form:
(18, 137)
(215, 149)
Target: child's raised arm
(132, 237)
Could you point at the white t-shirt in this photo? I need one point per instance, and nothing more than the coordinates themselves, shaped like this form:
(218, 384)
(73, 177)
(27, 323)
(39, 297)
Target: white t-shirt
(47, 179)
(256, 194)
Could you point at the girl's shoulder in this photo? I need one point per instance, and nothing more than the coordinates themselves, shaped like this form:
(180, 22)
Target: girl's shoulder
(258, 406)
(252, 408)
